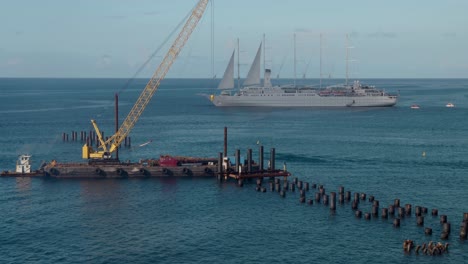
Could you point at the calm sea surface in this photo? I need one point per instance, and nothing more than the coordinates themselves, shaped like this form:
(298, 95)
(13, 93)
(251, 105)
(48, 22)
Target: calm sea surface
(377, 151)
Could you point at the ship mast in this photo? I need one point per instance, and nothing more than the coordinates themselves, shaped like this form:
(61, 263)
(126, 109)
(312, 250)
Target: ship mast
(264, 65)
(320, 60)
(238, 65)
(294, 59)
(347, 58)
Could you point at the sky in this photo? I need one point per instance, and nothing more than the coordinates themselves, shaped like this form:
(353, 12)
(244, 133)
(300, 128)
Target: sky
(113, 38)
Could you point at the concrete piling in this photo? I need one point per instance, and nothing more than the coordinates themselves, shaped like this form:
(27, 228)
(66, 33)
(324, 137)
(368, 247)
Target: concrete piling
(408, 209)
(301, 193)
(428, 231)
(443, 219)
(317, 197)
(356, 197)
(260, 158)
(340, 189)
(420, 220)
(417, 211)
(358, 214)
(325, 199)
(384, 213)
(341, 198)
(391, 210)
(322, 191)
(375, 210)
(332, 201)
(424, 210)
(348, 196)
(401, 212)
(285, 185)
(464, 229)
(293, 187)
(363, 196)
(272, 159)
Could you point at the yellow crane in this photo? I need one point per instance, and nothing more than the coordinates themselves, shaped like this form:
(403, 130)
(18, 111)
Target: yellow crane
(107, 147)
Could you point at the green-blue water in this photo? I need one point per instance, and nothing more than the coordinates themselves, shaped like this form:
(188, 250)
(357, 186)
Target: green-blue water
(377, 151)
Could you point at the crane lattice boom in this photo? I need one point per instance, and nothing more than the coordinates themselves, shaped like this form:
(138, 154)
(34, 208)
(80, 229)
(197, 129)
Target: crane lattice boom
(114, 141)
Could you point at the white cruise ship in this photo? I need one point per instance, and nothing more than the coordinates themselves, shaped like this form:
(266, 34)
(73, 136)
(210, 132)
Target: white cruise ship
(253, 94)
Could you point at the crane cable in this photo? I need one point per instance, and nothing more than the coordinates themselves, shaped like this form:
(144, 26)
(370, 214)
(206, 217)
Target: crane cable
(131, 79)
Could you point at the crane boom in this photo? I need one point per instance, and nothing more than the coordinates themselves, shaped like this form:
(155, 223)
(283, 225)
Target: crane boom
(115, 140)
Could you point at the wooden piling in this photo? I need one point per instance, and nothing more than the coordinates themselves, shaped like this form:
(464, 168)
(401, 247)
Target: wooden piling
(435, 212)
(396, 222)
(396, 203)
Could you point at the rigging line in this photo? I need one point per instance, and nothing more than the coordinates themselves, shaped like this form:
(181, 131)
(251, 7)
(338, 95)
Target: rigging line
(130, 80)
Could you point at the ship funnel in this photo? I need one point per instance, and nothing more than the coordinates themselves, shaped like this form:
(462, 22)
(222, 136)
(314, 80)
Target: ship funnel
(267, 79)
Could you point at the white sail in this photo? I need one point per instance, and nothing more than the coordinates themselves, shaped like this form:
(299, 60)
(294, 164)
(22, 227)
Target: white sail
(253, 77)
(228, 78)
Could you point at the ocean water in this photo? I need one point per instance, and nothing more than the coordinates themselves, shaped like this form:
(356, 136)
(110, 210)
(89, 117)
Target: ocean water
(378, 151)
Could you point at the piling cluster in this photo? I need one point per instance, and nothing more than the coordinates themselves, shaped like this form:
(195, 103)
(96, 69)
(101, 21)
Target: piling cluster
(90, 138)
(394, 210)
(432, 249)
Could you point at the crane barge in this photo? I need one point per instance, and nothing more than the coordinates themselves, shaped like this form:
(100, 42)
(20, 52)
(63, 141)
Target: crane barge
(101, 163)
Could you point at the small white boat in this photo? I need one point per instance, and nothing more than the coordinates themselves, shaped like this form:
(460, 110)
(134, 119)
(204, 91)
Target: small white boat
(449, 105)
(415, 106)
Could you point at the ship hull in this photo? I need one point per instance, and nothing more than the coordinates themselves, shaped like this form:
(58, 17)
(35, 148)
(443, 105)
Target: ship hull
(298, 100)
(127, 171)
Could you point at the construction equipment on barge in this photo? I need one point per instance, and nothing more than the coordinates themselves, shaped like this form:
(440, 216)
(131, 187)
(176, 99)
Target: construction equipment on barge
(109, 146)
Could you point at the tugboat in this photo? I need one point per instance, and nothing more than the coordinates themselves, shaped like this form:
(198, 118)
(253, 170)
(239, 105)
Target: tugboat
(23, 168)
